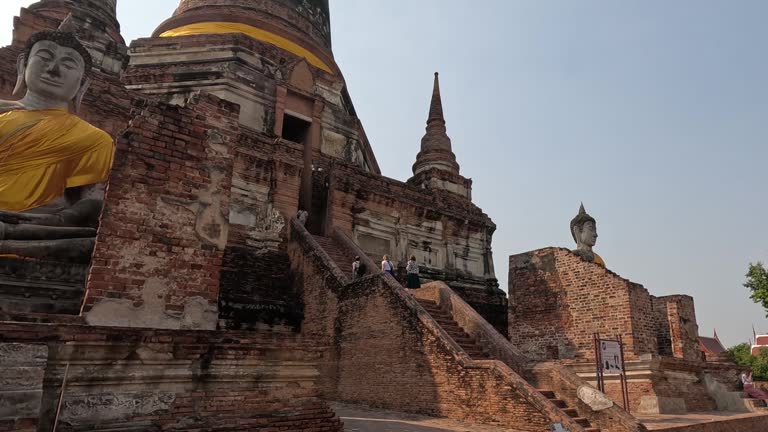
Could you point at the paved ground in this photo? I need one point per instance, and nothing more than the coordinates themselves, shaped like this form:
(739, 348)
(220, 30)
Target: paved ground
(655, 422)
(360, 419)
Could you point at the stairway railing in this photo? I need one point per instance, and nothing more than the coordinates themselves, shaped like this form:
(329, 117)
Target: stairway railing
(300, 235)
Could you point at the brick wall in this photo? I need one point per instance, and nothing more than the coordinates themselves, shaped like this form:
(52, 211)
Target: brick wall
(152, 380)
(256, 287)
(558, 301)
(676, 316)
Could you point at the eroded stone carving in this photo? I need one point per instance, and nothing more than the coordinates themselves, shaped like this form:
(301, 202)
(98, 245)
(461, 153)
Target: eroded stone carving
(594, 398)
(210, 225)
(197, 314)
(105, 407)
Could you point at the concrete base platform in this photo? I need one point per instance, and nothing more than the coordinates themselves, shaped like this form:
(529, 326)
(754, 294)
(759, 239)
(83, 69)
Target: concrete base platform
(363, 419)
(707, 422)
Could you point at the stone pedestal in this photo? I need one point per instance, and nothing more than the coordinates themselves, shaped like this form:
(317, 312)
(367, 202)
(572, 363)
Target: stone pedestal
(22, 368)
(664, 385)
(31, 286)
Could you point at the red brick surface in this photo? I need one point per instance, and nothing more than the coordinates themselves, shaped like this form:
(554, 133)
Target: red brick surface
(558, 301)
(163, 156)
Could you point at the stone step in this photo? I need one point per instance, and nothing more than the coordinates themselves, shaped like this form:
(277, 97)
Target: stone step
(582, 421)
(571, 412)
(549, 394)
(559, 403)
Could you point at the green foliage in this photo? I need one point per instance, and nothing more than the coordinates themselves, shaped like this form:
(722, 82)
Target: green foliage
(741, 355)
(757, 282)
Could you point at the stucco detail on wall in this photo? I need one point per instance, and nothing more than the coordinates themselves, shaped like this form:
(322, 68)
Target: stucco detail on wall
(197, 314)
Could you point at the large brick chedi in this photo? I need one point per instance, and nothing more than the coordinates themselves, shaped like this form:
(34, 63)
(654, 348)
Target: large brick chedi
(302, 147)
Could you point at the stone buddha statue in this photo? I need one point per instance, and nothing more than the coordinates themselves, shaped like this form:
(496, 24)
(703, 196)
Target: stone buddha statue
(584, 232)
(53, 164)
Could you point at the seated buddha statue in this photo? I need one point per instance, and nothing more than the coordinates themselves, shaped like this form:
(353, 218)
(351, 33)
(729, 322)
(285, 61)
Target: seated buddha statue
(584, 232)
(53, 164)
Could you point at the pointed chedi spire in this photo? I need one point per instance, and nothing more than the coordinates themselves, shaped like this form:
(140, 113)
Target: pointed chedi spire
(436, 149)
(436, 105)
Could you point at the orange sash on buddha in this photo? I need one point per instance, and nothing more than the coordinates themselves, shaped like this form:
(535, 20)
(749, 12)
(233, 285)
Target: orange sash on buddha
(43, 152)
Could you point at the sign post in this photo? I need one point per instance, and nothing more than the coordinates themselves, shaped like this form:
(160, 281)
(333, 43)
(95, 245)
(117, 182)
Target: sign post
(609, 358)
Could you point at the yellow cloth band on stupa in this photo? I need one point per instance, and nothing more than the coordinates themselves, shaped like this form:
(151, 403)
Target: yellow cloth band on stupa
(43, 152)
(248, 30)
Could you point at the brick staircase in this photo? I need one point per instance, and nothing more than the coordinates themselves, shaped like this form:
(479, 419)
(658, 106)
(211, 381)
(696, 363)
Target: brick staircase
(457, 333)
(468, 344)
(338, 253)
(570, 411)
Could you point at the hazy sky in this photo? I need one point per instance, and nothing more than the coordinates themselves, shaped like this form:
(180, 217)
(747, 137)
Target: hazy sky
(653, 113)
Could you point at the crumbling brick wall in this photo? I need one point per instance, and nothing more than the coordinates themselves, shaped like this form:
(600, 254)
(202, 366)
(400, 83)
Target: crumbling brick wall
(159, 249)
(256, 287)
(558, 301)
(675, 317)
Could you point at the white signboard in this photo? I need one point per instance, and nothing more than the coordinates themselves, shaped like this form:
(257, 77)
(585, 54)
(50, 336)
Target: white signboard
(610, 353)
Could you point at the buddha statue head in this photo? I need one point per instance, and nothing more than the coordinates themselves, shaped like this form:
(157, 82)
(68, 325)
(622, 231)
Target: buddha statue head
(584, 229)
(53, 70)
(584, 233)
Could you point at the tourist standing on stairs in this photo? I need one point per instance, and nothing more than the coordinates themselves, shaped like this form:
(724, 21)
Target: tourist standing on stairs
(358, 268)
(386, 265)
(413, 274)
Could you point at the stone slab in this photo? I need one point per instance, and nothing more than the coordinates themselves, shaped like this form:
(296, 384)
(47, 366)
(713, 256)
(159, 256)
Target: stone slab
(662, 405)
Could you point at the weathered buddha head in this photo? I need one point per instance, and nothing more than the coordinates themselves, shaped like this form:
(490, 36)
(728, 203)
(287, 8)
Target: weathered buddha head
(54, 67)
(584, 230)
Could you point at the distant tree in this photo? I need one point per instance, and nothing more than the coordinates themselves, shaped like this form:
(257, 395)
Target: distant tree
(757, 282)
(742, 356)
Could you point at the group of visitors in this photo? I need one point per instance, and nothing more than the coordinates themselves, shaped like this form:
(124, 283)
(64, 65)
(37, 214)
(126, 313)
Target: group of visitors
(411, 269)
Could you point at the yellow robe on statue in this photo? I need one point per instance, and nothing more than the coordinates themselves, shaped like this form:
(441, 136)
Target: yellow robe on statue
(43, 152)
(598, 260)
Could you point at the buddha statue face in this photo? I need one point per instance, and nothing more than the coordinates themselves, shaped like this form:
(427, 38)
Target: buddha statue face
(54, 72)
(586, 234)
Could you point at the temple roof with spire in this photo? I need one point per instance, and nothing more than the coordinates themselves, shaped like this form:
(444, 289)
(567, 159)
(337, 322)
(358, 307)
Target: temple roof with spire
(436, 167)
(436, 149)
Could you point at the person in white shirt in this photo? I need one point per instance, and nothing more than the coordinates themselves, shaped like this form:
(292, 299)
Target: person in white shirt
(386, 265)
